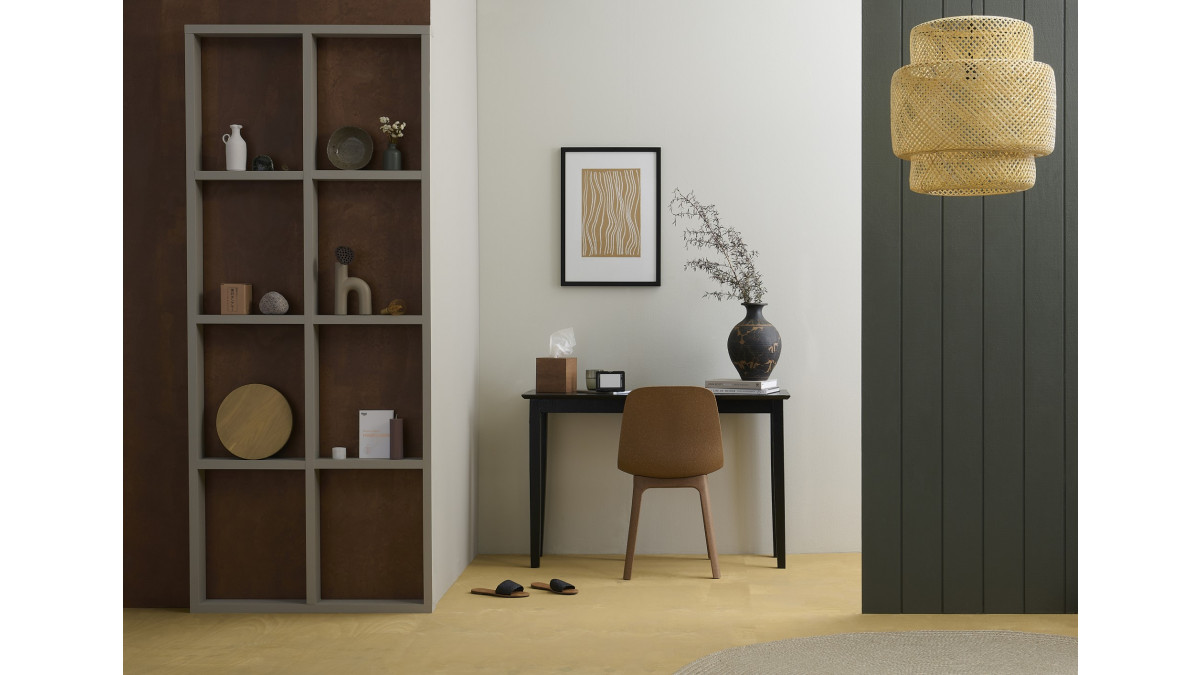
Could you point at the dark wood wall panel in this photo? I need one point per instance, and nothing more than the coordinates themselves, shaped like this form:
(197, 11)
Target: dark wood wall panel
(350, 94)
(1004, 470)
(969, 340)
(881, 470)
(962, 392)
(255, 82)
(253, 233)
(1044, 358)
(371, 538)
(348, 383)
(255, 534)
(154, 405)
(1070, 139)
(921, 379)
(236, 355)
(1004, 407)
(381, 221)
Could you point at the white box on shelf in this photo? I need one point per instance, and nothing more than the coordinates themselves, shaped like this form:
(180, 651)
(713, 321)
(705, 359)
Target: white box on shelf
(374, 434)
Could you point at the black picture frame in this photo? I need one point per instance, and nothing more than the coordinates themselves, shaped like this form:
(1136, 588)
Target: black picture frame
(598, 261)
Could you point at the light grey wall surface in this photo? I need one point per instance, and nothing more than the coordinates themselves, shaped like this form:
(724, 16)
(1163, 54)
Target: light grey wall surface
(454, 277)
(757, 109)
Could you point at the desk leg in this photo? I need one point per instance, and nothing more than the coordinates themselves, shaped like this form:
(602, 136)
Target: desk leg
(543, 442)
(777, 500)
(537, 444)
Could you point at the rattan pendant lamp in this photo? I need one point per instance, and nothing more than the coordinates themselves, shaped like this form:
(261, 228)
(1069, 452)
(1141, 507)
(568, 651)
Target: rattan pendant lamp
(972, 109)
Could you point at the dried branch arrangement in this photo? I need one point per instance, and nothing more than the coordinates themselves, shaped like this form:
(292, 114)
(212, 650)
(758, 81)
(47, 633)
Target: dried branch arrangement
(736, 274)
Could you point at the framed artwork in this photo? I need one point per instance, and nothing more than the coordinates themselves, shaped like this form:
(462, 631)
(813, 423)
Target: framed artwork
(611, 216)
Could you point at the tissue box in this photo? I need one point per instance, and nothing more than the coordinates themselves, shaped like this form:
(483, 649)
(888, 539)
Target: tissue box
(556, 376)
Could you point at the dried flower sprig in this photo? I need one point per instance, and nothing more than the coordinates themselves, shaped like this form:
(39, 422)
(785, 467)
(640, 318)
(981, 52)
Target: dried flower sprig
(393, 129)
(737, 272)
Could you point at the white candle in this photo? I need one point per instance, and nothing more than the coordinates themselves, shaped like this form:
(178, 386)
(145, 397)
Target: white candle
(339, 453)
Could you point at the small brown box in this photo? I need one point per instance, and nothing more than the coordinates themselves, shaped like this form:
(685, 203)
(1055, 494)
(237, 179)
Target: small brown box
(396, 430)
(235, 298)
(556, 376)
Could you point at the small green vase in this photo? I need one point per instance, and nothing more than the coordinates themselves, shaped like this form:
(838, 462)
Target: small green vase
(391, 158)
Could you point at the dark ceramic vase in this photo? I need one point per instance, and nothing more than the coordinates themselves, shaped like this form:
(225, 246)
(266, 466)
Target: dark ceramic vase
(754, 344)
(391, 158)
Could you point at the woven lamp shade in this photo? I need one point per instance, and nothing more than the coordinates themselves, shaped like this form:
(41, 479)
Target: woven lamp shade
(972, 109)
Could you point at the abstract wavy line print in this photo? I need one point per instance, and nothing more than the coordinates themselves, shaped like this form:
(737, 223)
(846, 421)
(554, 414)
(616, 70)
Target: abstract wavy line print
(612, 213)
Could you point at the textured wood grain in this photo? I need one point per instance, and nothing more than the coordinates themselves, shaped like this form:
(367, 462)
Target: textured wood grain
(361, 80)
(255, 82)
(253, 233)
(371, 535)
(382, 223)
(254, 421)
(255, 534)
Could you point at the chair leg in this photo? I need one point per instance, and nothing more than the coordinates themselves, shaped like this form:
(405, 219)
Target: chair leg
(709, 539)
(639, 486)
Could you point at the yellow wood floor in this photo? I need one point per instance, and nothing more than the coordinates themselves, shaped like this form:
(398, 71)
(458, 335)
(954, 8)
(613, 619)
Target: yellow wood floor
(671, 613)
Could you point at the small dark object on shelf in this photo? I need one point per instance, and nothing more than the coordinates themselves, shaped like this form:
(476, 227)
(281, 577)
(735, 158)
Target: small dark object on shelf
(344, 255)
(262, 163)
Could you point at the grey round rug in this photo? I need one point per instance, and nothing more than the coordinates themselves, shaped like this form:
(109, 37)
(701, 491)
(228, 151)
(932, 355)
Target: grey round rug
(962, 652)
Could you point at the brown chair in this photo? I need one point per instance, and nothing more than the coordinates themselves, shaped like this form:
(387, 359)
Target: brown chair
(670, 438)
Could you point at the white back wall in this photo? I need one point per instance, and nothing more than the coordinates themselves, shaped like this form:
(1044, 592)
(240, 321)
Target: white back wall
(756, 107)
(454, 284)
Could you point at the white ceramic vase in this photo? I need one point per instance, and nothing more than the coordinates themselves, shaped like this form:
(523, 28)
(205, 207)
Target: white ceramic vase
(235, 149)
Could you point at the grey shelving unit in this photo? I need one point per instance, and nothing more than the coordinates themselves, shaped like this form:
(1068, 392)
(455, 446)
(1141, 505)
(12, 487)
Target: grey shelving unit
(311, 466)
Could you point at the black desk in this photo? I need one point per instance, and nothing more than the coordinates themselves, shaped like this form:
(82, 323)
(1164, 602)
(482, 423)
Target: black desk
(540, 405)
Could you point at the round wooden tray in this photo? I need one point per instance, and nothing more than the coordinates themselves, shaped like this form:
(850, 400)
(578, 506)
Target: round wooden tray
(254, 421)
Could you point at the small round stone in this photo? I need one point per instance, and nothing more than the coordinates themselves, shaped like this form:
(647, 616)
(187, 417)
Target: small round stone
(273, 303)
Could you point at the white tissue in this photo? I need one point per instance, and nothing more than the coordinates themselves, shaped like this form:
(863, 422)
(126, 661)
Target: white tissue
(562, 343)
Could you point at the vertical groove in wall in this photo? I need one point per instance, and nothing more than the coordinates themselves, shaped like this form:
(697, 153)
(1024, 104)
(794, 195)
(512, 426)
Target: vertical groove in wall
(900, 174)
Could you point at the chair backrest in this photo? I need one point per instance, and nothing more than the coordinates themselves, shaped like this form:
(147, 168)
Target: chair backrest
(670, 432)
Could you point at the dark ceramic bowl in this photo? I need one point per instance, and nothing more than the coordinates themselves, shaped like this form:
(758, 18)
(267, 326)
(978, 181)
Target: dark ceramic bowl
(350, 148)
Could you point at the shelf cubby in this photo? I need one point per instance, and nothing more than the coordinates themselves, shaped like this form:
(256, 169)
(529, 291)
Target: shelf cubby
(254, 536)
(360, 80)
(254, 233)
(254, 81)
(239, 354)
(350, 361)
(371, 534)
(381, 222)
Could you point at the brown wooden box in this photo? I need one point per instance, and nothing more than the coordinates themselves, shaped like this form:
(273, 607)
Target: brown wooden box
(235, 298)
(556, 376)
(396, 427)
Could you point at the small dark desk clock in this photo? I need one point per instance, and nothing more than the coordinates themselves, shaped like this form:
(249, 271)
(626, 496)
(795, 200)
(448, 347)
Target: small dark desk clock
(610, 380)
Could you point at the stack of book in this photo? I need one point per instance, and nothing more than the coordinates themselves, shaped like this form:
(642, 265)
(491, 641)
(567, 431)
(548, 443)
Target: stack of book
(742, 386)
